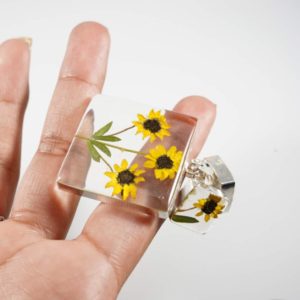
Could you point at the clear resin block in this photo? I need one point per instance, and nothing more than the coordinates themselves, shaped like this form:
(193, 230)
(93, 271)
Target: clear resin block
(206, 193)
(128, 152)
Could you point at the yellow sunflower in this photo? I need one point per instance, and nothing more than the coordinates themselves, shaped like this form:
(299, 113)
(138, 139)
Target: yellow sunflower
(164, 162)
(154, 125)
(124, 179)
(210, 207)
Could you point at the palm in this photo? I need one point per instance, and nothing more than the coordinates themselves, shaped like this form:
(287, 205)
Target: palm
(35, 260)
(32, 267)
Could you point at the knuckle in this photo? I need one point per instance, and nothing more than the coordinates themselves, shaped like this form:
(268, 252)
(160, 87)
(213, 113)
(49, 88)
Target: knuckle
(8, 162)
(54, 144)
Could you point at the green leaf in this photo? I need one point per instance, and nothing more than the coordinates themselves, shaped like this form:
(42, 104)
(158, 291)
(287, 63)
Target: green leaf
(184, 219)
(108, 138)
(102, 147)
(103, 130)
(94, 153)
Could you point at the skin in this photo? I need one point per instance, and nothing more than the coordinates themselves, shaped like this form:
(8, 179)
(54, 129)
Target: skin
(35, 260)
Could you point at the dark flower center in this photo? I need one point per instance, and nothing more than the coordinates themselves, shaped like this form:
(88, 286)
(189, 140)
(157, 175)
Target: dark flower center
(152, 125)
(164, 162)
(125, 177)
(209, 207)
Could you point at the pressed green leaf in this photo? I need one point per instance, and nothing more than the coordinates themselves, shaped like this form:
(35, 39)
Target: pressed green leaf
(108, 138)
(102, 147)
(94, 153)
(184, 219)
(103, 130)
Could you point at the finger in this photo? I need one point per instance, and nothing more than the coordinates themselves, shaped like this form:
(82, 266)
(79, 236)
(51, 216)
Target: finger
(122, 234)
(75, 174)
(38, 201)
(14, 71)
(205, 111)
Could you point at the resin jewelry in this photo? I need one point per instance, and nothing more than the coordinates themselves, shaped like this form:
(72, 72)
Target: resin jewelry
(127, 152)
(207, 192)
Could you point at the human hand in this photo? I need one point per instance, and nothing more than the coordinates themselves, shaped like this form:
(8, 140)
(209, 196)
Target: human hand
(35, 260)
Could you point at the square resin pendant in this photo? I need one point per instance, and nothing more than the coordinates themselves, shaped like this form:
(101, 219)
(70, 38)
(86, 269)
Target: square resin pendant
(206, 193)
(128, 152)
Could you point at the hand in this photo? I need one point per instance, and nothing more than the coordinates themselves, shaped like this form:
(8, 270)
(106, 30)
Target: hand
(35, 260)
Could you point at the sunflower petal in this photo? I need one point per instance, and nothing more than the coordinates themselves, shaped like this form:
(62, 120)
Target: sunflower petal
(110, 184)
(149, 156)
(219, 207)
(164, 174)
(139, 172)
(206, 218)
(202, 202)
(153, 153)
(111, 175)
(139, 128)
(160, 135)
(157, 114)
(125, 191)
(149, 164)
(141, 118)
(124, 164)
(178, 156)
(215, 198)
(139, 179)
(158, 174)
(117, 168)
(133, 167)
(146, 133)
(165, 132)
(152, 114)
(117, 189)
(161, 150)
(171, 174)
(132, 189)
(152, 137)
(165, 125)
(171, 152)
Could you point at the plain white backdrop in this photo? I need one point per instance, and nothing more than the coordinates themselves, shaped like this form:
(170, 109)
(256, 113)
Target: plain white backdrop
(245, 56)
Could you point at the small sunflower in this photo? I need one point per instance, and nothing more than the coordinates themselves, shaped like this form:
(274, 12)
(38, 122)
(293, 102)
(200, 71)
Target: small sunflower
(164, 162)
(154, 125)
(211, 207)
(124, 179)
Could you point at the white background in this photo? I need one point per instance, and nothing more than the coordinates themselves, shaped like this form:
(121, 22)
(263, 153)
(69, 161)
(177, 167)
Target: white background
(244, 55)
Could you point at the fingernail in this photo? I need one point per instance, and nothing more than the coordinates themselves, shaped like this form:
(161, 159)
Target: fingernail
(27, 40)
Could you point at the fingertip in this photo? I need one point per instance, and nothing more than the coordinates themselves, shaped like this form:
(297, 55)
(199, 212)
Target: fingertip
(14, 49)
(197, 106)
(205, 111)
(87, 53)
(93, 28)
(14, 69)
